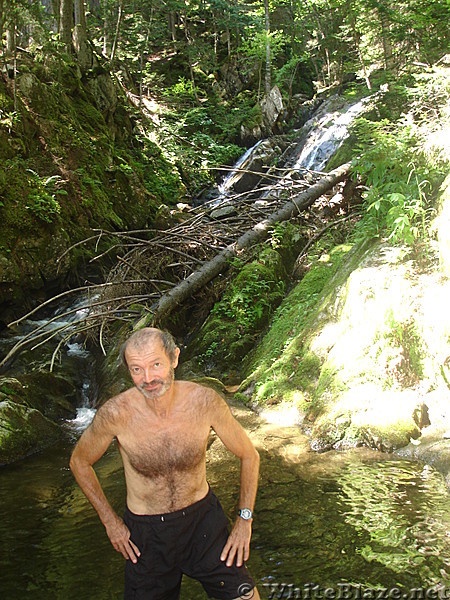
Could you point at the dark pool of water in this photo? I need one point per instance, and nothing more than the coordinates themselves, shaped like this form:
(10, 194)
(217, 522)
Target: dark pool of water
(354, 519)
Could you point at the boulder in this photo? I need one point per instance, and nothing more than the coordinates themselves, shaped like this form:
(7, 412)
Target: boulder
(24, 431)
(30, 411)
(272, 108)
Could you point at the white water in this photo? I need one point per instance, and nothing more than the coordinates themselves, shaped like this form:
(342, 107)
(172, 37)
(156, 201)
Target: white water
(82, 420)
(325, 132)
(326, 135)
(61, 322)
(230, 179)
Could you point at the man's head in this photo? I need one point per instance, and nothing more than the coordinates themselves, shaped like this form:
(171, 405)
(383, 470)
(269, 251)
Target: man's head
(151, 356)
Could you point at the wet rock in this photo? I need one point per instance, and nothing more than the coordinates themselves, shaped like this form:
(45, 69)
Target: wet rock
(223, 212)
(433, 448)
(30, 412)
(272, 108)
(24, 431)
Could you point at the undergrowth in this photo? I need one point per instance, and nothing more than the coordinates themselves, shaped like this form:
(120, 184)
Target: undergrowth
(400, 168)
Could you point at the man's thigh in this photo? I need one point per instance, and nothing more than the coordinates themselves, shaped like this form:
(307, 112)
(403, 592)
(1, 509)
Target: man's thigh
(204, 564)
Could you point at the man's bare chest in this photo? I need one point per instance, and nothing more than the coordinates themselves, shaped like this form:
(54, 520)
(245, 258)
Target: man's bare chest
(162, 453)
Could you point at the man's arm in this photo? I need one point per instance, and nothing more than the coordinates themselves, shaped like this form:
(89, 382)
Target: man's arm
(91, 446)
(237, 441)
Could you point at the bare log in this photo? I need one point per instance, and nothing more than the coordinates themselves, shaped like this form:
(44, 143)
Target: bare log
(169, 301)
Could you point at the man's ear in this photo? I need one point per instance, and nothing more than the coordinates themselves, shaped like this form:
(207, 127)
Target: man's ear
(175, 360)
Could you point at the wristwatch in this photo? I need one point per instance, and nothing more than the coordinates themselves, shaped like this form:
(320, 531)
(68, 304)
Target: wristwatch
(245, 513)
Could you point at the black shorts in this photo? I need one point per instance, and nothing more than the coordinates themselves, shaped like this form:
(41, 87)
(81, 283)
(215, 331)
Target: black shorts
(189, 542)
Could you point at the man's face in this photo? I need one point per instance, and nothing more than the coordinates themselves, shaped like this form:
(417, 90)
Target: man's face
(151, 369)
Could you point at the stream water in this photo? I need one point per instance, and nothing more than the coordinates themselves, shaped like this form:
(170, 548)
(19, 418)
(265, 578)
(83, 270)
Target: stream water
(332, 520)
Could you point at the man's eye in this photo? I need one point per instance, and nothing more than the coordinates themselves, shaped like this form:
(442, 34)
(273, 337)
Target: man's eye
(136, 369)
(157, 365)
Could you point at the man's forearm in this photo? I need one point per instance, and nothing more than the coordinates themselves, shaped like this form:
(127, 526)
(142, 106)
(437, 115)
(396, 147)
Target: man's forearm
(249, 480)
(90, 486)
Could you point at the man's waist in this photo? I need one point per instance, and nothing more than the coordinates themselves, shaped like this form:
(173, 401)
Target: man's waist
(170, 515)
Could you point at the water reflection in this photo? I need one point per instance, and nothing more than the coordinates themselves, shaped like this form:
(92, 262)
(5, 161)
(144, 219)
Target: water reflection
(327, 519)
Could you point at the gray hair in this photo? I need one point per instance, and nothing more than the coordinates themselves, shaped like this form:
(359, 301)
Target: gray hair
(141, 337)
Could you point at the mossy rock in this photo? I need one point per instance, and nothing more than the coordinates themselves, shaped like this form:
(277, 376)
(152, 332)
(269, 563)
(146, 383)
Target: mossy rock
(24, 431)
(245, 309)
(53, 395)
(237, 319)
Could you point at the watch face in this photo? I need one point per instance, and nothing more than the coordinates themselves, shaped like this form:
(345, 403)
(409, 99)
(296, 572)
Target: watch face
(245, 513)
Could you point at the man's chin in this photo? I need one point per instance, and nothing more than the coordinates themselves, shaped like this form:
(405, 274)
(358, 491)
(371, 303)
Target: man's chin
(150, 394)
(153, 393)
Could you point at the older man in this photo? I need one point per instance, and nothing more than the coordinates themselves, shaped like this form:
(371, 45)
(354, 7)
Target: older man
(173, 522)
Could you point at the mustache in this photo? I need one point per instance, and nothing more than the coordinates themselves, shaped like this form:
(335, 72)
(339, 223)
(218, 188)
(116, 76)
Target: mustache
(153, 382)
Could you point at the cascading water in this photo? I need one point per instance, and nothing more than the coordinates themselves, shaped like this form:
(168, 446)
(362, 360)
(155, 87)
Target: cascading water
(234, 174)
(75, 358)
(320, 137)
(326, 135)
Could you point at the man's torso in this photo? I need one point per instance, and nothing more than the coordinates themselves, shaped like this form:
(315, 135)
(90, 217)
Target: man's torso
(165, 458)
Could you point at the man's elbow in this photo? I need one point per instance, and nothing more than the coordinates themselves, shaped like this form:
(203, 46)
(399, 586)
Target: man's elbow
(76, 463)
(256, 457)
(253, 457)
(73, 463)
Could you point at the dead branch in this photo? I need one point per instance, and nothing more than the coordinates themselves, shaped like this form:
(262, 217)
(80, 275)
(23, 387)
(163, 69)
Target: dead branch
(219, 263)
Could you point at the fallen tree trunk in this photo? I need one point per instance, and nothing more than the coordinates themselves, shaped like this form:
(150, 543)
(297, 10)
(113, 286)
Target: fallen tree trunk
(210, 269)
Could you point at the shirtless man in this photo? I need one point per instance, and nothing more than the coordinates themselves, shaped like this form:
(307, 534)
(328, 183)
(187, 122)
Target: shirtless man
(173, 523)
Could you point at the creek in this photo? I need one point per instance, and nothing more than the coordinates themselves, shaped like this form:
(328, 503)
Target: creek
(355, 518)
(330, 519)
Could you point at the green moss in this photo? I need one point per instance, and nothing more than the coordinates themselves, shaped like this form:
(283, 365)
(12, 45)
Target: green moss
(239, 317)
(24, 431)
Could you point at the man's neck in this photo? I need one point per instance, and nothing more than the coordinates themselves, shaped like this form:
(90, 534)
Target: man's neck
(162, 406)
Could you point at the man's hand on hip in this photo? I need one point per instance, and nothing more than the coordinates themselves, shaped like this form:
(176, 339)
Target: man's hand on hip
(119, 536)
(238, 543)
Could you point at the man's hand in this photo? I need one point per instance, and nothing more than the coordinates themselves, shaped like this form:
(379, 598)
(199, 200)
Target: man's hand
(238, 543)
(119, 536)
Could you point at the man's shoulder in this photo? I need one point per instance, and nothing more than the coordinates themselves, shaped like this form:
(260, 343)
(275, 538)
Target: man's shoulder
(197, 390)
(117, 406)
(200, 397)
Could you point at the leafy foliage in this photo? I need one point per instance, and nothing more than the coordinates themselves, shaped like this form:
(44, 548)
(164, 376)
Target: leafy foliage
(401, 178)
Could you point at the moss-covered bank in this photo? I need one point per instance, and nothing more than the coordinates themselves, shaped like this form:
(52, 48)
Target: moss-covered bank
(360, 348)
(72, 160)
(31, 411)
(243, 312)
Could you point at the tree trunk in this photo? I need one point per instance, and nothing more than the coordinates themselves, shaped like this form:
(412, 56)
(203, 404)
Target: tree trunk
(66, 23)
(386, 37)
(168, 302)
(171, 23)
(116, 36)
(190, 43)
(1, 26)
(267, 79)
(80, 14)
(358, 49)
(105, 28)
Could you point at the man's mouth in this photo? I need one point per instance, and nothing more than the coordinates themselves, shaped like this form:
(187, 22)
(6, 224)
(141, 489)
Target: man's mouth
(152, 385)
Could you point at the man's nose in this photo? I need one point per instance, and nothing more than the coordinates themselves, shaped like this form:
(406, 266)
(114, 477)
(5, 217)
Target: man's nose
(148, 374)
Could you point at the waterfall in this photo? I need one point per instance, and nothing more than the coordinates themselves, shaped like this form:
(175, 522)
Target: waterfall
(77, 359)
(320, 137)
(326, 135)
(234, 174)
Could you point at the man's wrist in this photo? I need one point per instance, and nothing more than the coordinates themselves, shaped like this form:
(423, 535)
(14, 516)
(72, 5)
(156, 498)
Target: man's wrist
(246, 514)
